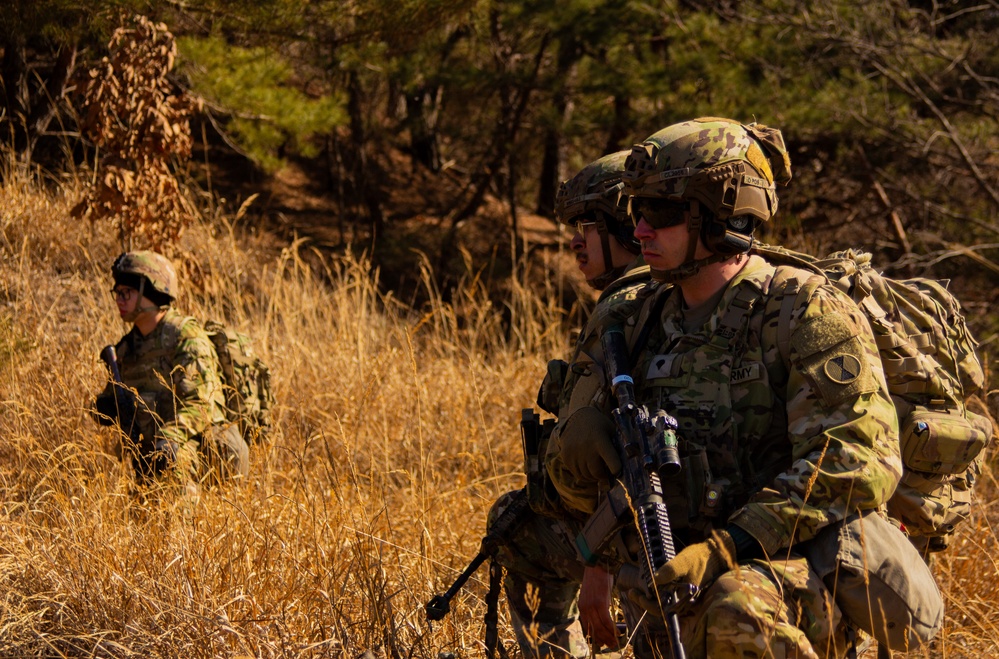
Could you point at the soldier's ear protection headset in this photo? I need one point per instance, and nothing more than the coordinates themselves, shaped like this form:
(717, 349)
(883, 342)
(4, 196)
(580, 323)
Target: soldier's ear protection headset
(742, 201)
(728, 237)
(725, 237)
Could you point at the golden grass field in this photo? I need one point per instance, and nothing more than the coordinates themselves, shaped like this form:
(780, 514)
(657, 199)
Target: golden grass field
(395, 431)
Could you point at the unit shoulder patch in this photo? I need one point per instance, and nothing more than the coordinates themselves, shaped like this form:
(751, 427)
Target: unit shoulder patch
(843, 369)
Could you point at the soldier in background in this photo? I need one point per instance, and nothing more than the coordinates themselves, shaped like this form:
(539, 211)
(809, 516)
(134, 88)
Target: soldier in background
(170, 371)
(555, 602)
(775, 446)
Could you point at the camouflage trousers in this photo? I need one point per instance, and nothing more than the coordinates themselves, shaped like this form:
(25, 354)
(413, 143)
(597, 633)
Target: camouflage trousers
(773, 610)
(223, 454)
(541, 584)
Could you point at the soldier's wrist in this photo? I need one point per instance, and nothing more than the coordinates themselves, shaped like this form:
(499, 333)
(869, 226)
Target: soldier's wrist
(746, 546)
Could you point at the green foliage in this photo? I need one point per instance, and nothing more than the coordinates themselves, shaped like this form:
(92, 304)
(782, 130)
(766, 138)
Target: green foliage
(511, 95)
(257, 91)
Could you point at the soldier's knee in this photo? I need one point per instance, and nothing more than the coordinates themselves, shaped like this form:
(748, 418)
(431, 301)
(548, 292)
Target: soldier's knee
(746, 616)
(226, 455)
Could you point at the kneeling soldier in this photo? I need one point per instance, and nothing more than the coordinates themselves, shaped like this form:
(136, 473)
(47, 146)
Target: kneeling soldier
(170, 402)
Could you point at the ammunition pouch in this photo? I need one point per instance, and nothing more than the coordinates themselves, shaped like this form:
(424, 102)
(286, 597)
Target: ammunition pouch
(550, 392)
(542, 496)
(942, 441)
(702, 498)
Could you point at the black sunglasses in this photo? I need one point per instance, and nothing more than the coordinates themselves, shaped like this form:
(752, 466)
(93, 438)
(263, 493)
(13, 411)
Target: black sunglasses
(657, 213)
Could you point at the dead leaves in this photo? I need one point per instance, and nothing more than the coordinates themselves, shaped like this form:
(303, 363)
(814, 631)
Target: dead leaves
(139, 124)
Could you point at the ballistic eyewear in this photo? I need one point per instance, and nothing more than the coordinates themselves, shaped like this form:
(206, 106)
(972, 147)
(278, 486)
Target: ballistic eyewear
(657, 213)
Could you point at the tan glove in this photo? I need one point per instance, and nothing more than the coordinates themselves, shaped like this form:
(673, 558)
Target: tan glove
(587, 446)
(692, 569)
(700, 564)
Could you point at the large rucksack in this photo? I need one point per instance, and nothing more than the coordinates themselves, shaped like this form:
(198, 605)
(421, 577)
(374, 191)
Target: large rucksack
(933, 374)
(246, 379)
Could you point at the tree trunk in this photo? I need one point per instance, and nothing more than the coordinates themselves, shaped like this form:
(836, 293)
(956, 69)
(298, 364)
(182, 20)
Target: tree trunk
(14, 73)
(421, 123)
(551, 159)
(549, 178)
(621, 128)
(367, 194)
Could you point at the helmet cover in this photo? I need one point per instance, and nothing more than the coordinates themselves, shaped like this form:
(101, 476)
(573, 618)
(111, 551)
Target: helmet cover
(731, 169)
(595, 192)
(156, 268)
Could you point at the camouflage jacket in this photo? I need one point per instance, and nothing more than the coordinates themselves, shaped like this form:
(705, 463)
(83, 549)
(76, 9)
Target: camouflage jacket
(779, 449)
(176, 374)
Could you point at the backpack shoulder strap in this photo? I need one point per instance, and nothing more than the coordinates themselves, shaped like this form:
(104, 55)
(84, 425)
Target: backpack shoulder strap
(790, 288)
(733, 323)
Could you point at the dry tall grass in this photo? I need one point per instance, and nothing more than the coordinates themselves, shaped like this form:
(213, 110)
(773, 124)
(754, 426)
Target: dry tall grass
(395, 432)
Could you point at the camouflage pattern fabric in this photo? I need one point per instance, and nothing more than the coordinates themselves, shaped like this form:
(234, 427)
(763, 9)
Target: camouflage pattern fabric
(778, 449)
(595, 187)
(932, 369)
(690, 160)
(175, 372)
(584, 384)
(787, 594)
(616, 303)
(155, 267)
(772, 610)
(593, 195)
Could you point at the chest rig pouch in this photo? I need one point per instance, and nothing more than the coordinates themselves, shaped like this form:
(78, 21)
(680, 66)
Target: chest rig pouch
(716, 384)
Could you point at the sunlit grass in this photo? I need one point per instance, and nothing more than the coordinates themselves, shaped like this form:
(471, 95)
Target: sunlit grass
(396, 429)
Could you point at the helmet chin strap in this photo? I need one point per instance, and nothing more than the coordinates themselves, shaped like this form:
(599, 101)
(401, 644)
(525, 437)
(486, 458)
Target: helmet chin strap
(690, 265)
(134, 314)
(605, 238)
(602, 281)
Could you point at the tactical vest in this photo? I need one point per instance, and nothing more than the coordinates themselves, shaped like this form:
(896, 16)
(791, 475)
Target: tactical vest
(726, 397)
(618, 301)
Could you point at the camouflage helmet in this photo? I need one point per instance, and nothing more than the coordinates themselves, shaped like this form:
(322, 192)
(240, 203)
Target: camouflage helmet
(715, 175)
(595, 191)
(155, 268)
(730, 169)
